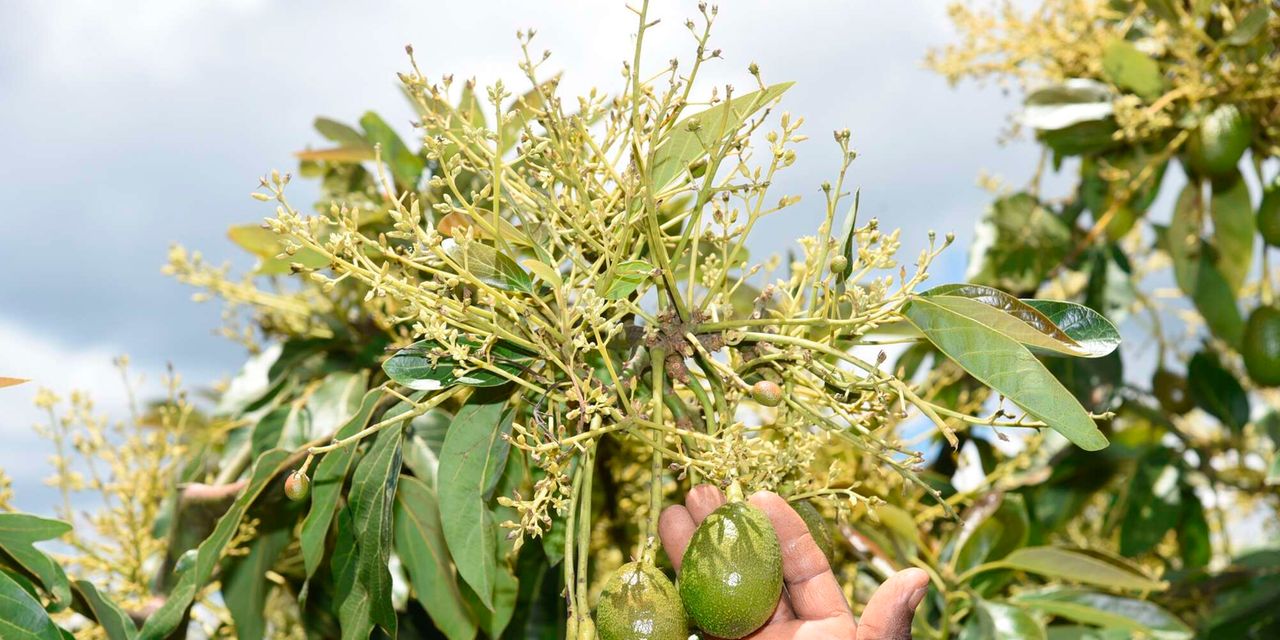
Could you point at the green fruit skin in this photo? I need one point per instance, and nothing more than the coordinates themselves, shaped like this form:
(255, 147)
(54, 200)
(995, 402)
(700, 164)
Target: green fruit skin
(1262, 346)
(1172, 391)
(1216, 147)
(731, 577)
(817, 528)
(1269, 214)
(640, 603)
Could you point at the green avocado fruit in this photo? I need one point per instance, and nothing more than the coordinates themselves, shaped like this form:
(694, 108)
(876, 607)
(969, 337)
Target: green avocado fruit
(817, 528)
(1172, 391)
(1262, 346)
(1269, 214)
(731, 577)
(1216, 147)
(640, 603)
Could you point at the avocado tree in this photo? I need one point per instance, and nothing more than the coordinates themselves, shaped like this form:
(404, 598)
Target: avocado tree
(1167, 114)
(495, 347)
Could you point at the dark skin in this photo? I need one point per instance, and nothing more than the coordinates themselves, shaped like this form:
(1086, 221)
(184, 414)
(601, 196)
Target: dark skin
(812, 606)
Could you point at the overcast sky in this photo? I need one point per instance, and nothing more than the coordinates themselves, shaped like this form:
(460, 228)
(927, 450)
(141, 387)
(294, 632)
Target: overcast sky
(133, 124)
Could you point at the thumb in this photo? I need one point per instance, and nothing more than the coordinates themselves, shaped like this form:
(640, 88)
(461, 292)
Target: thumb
(888, 614)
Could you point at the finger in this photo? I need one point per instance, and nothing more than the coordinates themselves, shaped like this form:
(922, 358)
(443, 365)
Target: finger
(702, 500)
(813, 590)
(675, 528)
(889, 612)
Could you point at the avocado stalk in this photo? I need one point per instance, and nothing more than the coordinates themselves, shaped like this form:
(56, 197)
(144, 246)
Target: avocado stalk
(734, 493)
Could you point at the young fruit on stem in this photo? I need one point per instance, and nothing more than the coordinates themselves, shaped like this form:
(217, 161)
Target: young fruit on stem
(731, 576)
(766, 393)
(297, 486)
(1262, 346)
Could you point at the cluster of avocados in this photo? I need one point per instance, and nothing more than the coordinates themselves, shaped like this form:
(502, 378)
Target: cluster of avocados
(729, 585)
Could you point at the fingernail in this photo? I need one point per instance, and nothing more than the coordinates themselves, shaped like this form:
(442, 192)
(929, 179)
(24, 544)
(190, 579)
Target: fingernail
(916, 597)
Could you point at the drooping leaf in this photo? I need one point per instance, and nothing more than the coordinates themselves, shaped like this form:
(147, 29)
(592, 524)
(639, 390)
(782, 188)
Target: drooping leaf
(1217, 391)
(1106, 610)
(21, 616)
(1016, 243)
(267, 469)
(1027, 322)
(623, 279)
(695, 136)
(1090, 329)
(1233, 229)
(487, 264)
(471, 463)
(426, 366)
(406, 166)
(1006, 366)
(371, 499)
(92, 604)
(245, 586)
(1074, 566)
(1129, 68)
(1197, 274)
(326, 485)
(18, 531)
(420, 543)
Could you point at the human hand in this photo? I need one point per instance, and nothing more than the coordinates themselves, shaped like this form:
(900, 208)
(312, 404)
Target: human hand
(812, 604)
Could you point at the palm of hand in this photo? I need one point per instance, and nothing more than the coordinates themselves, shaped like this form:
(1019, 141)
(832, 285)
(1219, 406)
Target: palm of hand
(812, 606)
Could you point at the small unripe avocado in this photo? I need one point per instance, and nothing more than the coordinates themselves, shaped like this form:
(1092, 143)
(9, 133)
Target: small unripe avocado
(767, 393)
(1269, 214)
(1216, 147)
(817, 527)
(640, 603)
(1262, 346)
(297, 486)
(1172, 391)
(731, 577)
(839, 265)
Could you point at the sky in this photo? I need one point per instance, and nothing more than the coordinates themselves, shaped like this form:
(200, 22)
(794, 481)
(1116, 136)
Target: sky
(135, 124)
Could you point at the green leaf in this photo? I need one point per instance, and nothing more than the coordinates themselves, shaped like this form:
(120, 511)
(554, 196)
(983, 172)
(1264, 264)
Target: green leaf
(165, 619)
(1233, 229)
(269, 248)
(426, 365)
(326, 485)
(471, 463)
(1071, 102)
(245, 586)
(424, 440)
(331, 404)
(420, 543)
(1248, 28)
(1074, 566)
(21, 616)
(1000, 621)
(17, 533)
(114, 622)
(623, 279)
(546, 272)
(1153, 505)
(699, 134)
(1196, 274)
(1105, 610)
(406, 166)
(1194, 540)
(994, 536)
(372, 495)
(1025, 322)
(1016, 243)
(487, 265)
(1217, 391)
(340, 133)
(1128, 68)
(1006, 366)
(1090, 329)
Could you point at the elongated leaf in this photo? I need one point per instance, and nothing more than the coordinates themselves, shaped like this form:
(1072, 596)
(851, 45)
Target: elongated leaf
(17, 533)
(1248, 28)
(1001, 621)
(1006, 366)
(340, 133)
(426, 366)
(338, 155)
(995, 536)
(165, 619)
(1197, 275)
(1233, 229)
(1194, 539)
(10, 382)
(326, 485)
(471, 463)
(269, 248)
(331, 404)
(1128, 68)
(1090, 329)
(406, 166)
(21, 616)
(372, 495)
(420, 543)
(1073, 101)
(1055, 562)
(423, 443)
(546, 272)
(1217, 391)
(623, 279)
(245, 586)
(1027, 324)
(488, 265)
(1105, 610)
(695, 136)
(1153, 505)
(114, 622)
